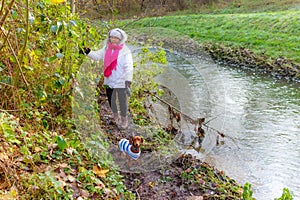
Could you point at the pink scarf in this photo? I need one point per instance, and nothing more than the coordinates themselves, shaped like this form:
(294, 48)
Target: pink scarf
(111, 58)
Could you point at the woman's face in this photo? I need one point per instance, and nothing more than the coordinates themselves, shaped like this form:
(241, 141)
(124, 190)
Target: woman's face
(114, 40)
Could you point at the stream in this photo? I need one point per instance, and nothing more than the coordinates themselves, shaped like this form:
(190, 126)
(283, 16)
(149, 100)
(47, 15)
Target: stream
(259, 116)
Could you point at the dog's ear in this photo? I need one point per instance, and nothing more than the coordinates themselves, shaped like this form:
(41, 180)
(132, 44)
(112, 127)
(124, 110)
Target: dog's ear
(131, 140)
(142, 140)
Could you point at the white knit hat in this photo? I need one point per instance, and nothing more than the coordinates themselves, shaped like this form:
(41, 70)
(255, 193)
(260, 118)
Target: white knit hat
(116, 33)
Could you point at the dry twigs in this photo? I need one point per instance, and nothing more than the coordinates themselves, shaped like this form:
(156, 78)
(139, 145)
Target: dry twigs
(199, 122)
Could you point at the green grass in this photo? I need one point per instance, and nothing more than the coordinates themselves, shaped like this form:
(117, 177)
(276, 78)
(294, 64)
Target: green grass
(275, 34)
(242, 6)
(245, 6)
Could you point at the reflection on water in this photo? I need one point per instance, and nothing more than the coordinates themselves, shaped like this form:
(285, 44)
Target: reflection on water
(260, 118)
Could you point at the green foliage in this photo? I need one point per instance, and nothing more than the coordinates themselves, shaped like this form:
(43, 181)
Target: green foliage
(286, 195)
(45, 185)
(189, 175)
(166, 179)
(55, 162)
(50, 60)
(62, 145)
(202, 176)
(147, 66)
(161, 136)
(247, 193)
(8, 126)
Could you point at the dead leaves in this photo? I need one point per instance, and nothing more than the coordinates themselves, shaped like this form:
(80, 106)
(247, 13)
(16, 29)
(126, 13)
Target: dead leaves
(195, 198)
(3, 156)
(71, 180)
(100, 172)
(151, 184)
(7, 171)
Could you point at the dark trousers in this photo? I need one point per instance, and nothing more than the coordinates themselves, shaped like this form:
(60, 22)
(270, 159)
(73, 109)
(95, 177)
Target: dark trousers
(114, 94)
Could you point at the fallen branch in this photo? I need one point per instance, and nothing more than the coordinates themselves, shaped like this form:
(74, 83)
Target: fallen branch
(2, 20)
(199, 120)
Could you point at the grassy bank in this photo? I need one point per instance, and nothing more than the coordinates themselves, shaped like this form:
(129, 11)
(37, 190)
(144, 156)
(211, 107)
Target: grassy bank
(244, 6)
(266, 40)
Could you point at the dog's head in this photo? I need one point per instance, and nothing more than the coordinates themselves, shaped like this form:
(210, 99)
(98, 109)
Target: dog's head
(136, 141)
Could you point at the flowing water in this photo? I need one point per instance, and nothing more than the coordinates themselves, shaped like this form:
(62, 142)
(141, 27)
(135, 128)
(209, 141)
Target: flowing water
(259, 116)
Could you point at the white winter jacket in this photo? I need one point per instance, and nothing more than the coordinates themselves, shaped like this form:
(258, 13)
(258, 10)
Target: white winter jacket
(124, 68)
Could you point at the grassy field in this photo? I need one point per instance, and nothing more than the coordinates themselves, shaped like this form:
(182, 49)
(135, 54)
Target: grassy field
(243, 6)
(275, 34)
(264, 34)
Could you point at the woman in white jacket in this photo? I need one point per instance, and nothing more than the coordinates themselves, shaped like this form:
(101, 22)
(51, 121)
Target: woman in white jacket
(118, 72)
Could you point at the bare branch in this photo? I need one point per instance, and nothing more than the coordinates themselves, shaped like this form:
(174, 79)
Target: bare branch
(6, 13)
(2, 6)
(15, 56)
(26, 36)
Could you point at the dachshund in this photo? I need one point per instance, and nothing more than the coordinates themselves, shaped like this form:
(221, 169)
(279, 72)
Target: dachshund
(131, 147)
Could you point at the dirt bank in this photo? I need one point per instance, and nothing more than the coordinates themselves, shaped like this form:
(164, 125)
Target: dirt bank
(185, 178)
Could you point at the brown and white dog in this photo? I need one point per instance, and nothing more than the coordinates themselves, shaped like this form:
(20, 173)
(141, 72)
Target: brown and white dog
(131, 147)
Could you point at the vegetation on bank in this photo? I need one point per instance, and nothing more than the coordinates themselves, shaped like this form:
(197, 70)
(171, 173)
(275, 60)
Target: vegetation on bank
(42, 153)
(43, 149)
(266, 41)
(241, 6)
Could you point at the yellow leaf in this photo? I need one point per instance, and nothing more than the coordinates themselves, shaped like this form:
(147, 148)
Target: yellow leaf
(99, 171)
(33, 55)
(241, 190)
(151, 184)
(58, 1)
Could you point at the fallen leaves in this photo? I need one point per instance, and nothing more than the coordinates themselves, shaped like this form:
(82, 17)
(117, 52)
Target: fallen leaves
(195, 198)
(99, 171)
(151, 184)
(3, 156)
(70, 150)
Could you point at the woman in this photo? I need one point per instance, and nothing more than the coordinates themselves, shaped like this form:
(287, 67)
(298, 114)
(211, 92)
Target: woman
(117, 70)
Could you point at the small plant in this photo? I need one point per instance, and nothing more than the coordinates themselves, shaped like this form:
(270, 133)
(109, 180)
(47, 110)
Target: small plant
(247, 194)
(8, 125)
(189, 174)
(166, 179)
(286, 195)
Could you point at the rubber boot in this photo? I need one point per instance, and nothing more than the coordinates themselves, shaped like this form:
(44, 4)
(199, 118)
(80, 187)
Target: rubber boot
(116, 118)
(124, 122)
